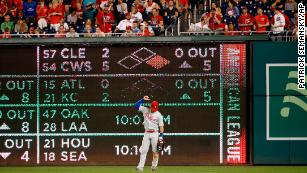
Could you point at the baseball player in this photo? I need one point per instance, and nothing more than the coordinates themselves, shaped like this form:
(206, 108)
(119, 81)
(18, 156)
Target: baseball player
(153, 124)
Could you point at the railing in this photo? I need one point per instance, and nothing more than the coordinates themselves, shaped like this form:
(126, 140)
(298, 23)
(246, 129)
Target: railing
(169, 31)
(235, 33)
(284, 36)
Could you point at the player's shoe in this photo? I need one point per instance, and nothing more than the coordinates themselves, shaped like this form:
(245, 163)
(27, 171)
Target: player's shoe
(139, 170)
(154, 168)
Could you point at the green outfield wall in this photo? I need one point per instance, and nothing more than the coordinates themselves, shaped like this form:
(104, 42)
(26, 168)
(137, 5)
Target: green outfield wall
(279, 108)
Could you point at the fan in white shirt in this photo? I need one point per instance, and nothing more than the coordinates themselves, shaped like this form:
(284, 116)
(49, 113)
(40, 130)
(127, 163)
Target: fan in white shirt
(121, 27)
(149, 5)
(279, 22)
(135, 15)
(200, 26)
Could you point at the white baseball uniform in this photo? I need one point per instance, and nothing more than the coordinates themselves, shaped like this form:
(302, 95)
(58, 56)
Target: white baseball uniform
(152, 122)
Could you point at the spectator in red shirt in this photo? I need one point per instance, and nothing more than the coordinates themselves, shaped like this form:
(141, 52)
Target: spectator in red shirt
(62, 6)
(105, 19)
(55, 15)
(261, 22)
(128, 32)
(73, 4)
(214, 19)
(156, 22)
(3, 10)
(42, 13)
(245, 21)
(146, 30)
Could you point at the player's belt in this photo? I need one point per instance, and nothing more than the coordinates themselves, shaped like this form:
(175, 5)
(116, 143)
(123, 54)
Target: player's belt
(151, 131)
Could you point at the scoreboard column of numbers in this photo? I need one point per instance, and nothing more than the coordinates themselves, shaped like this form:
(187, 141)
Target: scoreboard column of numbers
(66, 105)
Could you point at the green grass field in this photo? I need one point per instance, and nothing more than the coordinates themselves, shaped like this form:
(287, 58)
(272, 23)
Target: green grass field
(162, 169)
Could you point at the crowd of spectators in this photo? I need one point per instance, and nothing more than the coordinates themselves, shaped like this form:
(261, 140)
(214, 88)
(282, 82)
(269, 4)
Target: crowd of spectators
(89, 18)
(245, 16)
(101, 18)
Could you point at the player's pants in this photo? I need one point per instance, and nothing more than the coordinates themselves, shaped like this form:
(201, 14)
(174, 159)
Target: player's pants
(149, 138)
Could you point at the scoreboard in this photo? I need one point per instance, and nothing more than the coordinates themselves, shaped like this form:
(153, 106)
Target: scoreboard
(73, 104)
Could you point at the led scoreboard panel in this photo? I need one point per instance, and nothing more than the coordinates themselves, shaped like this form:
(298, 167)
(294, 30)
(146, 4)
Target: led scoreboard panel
(73, 104)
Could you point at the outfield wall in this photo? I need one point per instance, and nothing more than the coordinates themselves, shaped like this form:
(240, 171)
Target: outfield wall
(76, 99)
(279, 109)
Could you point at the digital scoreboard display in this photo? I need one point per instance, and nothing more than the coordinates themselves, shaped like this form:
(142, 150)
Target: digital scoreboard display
(74, 104)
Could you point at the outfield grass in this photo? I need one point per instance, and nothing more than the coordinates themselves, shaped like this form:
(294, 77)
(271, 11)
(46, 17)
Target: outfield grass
(162, 169)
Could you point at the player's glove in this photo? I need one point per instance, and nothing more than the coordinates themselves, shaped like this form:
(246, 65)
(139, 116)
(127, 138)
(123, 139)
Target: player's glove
(160, 145)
